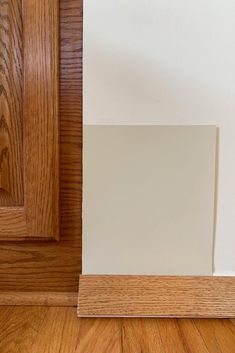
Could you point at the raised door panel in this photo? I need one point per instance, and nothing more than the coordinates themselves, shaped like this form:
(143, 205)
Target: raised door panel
(29, 124)
(11, 100)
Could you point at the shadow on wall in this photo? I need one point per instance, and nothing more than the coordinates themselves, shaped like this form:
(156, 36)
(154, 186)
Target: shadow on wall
(217, 159)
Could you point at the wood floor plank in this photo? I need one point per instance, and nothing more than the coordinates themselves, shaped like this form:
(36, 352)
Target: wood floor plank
(233, 321)
(206, 329)
(59, 333)
(100, 336)
(218, 335)
(170, 336)
(192, 339)
(4, 311)
(58, 330)
(140, 336)
(19, 327)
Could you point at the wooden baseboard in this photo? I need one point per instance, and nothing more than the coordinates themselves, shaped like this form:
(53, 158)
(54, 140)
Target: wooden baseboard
(156, 296)
(38, 298)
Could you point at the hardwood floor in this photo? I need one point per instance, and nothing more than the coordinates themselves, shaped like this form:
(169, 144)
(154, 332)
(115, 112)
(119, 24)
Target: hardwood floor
(58, 330)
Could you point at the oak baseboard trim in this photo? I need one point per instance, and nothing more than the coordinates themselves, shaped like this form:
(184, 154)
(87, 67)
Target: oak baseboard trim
(156, 296)
(38, 298)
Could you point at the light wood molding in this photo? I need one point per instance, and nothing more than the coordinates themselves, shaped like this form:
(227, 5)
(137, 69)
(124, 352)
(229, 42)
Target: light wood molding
(157, 296)
(29, 120)
(39, 298)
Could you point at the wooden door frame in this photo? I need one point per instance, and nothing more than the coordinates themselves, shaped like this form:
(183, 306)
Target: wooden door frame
(38, 271)
(30, 90)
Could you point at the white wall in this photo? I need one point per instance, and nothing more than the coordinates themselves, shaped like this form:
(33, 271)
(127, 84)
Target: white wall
(167, 62)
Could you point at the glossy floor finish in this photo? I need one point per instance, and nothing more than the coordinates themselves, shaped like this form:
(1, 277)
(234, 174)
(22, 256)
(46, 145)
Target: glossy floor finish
(58, 330)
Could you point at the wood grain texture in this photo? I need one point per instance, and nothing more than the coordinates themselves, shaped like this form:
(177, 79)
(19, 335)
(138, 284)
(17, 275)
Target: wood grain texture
(58, 330)
(99, 336)
(140, 335)
(13, 223)
(171, 336)
(50, 266)
(29, 118)
(41, 120)
(11, 117)
(158, 296)
(38, 298)
(19, 328)
(193, 341)
(217, 335)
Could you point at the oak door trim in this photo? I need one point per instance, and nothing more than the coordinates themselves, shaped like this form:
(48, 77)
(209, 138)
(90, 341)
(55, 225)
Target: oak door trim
(38, 298)
(38, 216)
(156, 296)
(12, 223)
(52, 266)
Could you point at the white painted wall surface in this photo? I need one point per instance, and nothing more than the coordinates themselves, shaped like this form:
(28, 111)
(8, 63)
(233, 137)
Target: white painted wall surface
(167, 62)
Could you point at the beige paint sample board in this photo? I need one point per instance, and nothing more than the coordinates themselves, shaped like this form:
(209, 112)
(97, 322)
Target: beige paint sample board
(148, 199)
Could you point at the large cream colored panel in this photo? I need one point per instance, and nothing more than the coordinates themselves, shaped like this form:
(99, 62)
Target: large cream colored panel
(148, 200)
